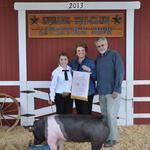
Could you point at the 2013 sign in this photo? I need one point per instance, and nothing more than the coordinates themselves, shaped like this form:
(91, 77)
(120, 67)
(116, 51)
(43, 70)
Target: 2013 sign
(76, 5)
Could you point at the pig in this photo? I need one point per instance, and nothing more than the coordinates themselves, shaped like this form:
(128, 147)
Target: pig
(70, 127)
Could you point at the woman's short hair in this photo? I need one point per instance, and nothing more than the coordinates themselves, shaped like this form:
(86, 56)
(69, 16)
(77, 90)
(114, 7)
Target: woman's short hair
(81, 44)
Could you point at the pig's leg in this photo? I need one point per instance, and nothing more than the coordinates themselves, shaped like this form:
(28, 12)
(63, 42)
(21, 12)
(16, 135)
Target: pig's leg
(53, 146)
(96, 145)
(60, 144)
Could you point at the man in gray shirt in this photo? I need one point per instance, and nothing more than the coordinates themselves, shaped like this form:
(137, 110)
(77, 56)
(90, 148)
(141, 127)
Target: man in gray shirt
(110, 73)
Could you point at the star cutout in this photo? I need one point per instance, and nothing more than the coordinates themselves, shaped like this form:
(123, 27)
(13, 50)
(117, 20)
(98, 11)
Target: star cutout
(34, 20)
(117, 19)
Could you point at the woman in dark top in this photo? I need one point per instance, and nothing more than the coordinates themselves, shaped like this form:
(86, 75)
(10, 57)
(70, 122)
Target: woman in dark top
(85, 64)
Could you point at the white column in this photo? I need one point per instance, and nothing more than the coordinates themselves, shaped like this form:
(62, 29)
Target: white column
(129, 65)
(24, 104)
(22, 45)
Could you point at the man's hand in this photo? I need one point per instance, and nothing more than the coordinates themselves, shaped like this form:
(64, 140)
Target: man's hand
(115, 95)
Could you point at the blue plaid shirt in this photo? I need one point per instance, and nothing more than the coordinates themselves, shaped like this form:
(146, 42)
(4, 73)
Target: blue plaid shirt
(110, 72)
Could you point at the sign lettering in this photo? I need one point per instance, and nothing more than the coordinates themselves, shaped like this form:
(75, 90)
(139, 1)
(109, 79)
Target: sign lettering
(75, 25)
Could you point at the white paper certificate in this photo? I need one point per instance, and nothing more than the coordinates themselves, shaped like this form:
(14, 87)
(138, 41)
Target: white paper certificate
(80, 85)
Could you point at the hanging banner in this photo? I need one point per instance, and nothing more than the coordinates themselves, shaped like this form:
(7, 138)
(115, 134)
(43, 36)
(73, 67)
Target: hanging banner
(80, 85)
(75, 25)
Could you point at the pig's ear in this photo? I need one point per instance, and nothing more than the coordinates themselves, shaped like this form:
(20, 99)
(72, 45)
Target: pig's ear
(30, 129)
(35, 121)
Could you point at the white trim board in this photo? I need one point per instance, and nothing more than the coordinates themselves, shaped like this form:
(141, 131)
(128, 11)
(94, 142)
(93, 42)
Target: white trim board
(85, 5)
(141, 115)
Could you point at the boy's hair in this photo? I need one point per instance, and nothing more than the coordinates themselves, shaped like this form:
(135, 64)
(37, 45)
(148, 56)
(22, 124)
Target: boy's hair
(64, 54)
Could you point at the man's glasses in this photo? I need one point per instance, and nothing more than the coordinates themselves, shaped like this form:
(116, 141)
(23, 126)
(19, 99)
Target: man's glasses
(102, 45)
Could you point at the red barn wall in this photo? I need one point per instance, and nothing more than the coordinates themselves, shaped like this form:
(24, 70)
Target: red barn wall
(42, 54)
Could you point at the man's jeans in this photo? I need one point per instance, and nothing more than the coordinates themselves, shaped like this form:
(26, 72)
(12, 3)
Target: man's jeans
(110, 108)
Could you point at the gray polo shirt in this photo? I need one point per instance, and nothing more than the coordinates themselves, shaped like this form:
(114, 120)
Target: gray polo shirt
(110, 72)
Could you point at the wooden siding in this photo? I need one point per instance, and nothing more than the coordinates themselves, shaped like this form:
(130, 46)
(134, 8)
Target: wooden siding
(142, 121)
(42, 54)
(9, 56)
(142, 91)
(13, 90)
(142, 42)
(141, 107)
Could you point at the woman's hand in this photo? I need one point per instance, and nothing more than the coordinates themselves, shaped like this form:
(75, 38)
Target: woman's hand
(86, 68)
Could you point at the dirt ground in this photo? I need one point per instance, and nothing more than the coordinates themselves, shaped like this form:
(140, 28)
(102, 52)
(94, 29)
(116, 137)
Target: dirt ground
(130, 138)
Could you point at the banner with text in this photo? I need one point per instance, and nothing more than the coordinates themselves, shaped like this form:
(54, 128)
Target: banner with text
(75, 25)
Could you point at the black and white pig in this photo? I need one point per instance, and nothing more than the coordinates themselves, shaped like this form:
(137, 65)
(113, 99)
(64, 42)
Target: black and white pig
(77, 128)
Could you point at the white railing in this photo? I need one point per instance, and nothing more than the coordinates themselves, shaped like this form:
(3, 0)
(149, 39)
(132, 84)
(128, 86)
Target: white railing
(27, 101)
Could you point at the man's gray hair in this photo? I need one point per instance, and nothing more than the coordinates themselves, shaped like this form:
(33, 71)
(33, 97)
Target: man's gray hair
(102, 39)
